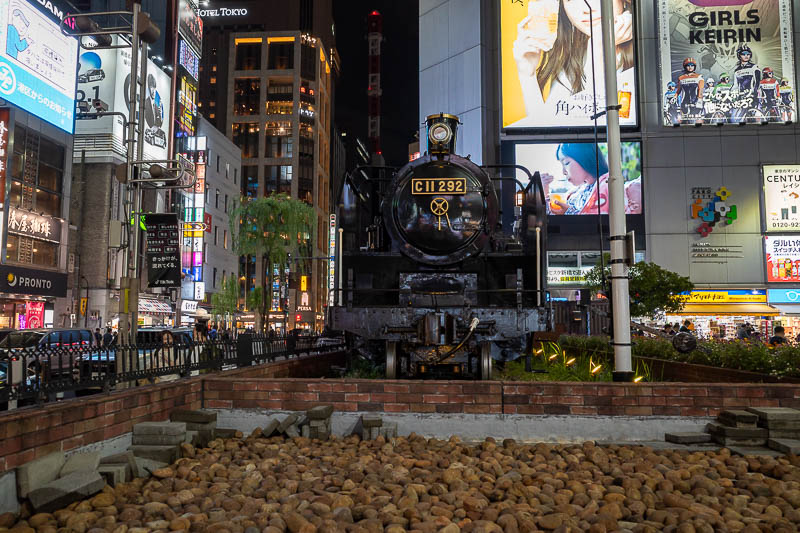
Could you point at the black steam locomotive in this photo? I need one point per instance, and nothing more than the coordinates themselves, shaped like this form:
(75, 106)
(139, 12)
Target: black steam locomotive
(442, 262)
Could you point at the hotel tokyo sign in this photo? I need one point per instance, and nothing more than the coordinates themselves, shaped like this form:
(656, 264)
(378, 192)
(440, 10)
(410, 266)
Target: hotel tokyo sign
(222, 12)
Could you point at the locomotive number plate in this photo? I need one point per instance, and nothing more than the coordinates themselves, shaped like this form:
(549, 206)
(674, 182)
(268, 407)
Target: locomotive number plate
(438, 185)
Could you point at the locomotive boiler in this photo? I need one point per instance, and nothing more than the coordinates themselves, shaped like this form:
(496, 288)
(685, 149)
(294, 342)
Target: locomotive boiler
(442, 262)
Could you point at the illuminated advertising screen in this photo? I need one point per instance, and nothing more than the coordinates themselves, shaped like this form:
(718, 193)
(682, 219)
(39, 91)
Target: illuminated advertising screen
(567, 276)
(546, 63)
(783, 259)
(190, 25)
(189, 60)
(781, 198)
(726, 61)
(37, 63)
(575, 175)
(187, 106)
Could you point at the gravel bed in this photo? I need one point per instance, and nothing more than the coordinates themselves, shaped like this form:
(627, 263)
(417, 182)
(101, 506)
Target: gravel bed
(258, 485)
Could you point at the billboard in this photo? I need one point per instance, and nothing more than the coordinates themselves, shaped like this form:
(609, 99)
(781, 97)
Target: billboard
(190, 25)
(163, 259)
(575, 175)
(726, 61)
(105, 75)
(37, 64)
(783, 259)
(546, 63)
(189, 60)
(781, 197)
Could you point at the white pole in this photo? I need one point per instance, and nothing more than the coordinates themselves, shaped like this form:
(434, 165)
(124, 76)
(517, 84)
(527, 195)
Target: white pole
(616, 205)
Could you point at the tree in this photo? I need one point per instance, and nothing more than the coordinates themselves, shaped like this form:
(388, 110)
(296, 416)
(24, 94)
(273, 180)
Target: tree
(226, 301)
(271, 228)
(652, 289)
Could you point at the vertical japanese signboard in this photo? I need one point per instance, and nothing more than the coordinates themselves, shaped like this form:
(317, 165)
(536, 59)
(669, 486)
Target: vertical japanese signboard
(331, 259)
(5, 123)
(781, 198)
(726, 61)
(163, 252)
(190, 25)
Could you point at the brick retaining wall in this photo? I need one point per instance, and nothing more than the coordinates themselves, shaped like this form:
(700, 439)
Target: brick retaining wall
(539, 398)
(32, 432)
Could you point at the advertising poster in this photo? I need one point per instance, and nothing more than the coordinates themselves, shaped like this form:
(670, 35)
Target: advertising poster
(567, 276)
(573, 183)
(163, 254)
(546, 62)
(37, 64)
(34, 315)
(726, 61)
(105, 75)
(781, 197)
(783, 259)
(190, 25)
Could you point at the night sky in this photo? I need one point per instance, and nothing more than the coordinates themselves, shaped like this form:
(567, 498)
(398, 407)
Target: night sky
(399, 72)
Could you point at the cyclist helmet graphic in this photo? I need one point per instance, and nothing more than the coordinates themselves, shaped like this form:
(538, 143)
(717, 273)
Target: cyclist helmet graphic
(742, 50)
(768, 72)
(689, 61)
(671, 86)
(710, 82)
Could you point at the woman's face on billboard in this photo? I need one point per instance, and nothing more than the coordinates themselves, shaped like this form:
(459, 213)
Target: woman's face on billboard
(578, 13)
(575, 173)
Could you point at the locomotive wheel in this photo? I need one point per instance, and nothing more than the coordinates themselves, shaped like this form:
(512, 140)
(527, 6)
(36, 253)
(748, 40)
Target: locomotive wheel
(485, 361)
(391, 360)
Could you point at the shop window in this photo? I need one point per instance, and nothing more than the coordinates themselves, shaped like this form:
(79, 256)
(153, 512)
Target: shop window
(48, 203)
(245, 136)
(281, 56)
(31, 251)
(277, 179)
(37, 169)
(248, 56)
(283, 107)
(246, 96)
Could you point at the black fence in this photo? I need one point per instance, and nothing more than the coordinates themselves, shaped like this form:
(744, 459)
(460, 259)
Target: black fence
(38, 374)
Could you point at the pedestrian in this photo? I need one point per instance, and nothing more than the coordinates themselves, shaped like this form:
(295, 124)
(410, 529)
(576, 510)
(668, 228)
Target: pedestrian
(742, 333)
(108, 338)
(685, 327)
(225, 335)
(98, 337)
(213, 333)
(779, 337)
(271, 333)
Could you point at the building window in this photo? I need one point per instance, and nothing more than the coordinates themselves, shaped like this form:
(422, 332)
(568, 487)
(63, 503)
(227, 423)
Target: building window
(31, 251)
(246, 95)
(279, 142)
(214, 282)
(305, 187)
(236, 176)
(225, 239)
(217, 164)
(37, 170)
(250, 181)
(308, 62)
(227, 171)
(215, 235)
(245, 136)
(281, 56)
(213, 80)
(248, 56)
(226, 203)
(216, 199)
(277, 179)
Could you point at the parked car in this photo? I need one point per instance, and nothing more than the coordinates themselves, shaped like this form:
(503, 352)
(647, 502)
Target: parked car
(91, 75)
(53, 352)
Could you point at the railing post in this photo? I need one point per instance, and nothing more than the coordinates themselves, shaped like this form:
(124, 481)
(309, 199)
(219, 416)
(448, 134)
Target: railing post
(244, 349)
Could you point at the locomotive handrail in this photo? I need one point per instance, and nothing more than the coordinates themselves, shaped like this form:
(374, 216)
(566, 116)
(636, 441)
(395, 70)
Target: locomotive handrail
(531, 179)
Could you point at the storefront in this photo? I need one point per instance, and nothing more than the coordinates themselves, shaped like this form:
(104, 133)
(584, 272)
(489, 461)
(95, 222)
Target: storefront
(27, 296)
(154, 312)
(787, 302)
(716, 313)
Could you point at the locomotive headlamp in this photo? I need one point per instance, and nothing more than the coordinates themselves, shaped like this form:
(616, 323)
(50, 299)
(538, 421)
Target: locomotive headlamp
(441, 133)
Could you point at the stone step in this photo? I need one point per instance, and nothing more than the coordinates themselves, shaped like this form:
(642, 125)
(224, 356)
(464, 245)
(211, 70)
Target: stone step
(781, 424)
(159, 428)
(80, 461)
(737, 433)
(159, 440)
(769, 414)
(164, 454)
(66, 490)
(788, 446)
(687, 438)
(192, 426)
(754, 450)
(194, 417)
(733, 441)
(738, 418)
(793, 434)
(39, 472)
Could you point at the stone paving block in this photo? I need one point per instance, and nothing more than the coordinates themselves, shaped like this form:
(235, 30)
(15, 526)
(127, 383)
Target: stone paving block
(224, 433)
(784, 434)
(775, 413)
(788, 446)
(164, 454)
(159, 428)
(39, 472)
(371, 421)
(320, 424)
(191, 426)
(738, 418)
(62, 492)
(145, 467)
(121, 458)
(687, 438)
(781, 424)
(114, 474)
(305, 431)
(754, 450)
(80, 461)
(737, 433)
(159, 440)
(292, 431)
(733, 441)
(194, 417)
(320, 412)
(290, 419)
(388, 430)
(271, 427)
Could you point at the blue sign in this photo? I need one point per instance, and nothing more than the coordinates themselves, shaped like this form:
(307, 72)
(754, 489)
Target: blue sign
(783, 296)
(38, 65)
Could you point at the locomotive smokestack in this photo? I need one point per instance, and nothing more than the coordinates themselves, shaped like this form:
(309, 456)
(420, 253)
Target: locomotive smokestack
(442, 133)
(374, 38)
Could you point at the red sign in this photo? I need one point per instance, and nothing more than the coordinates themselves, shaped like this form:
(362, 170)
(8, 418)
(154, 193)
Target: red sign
(207, 220)
(34, 315)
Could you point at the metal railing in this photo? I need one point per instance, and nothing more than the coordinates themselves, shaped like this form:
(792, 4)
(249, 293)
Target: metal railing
(36, 375)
